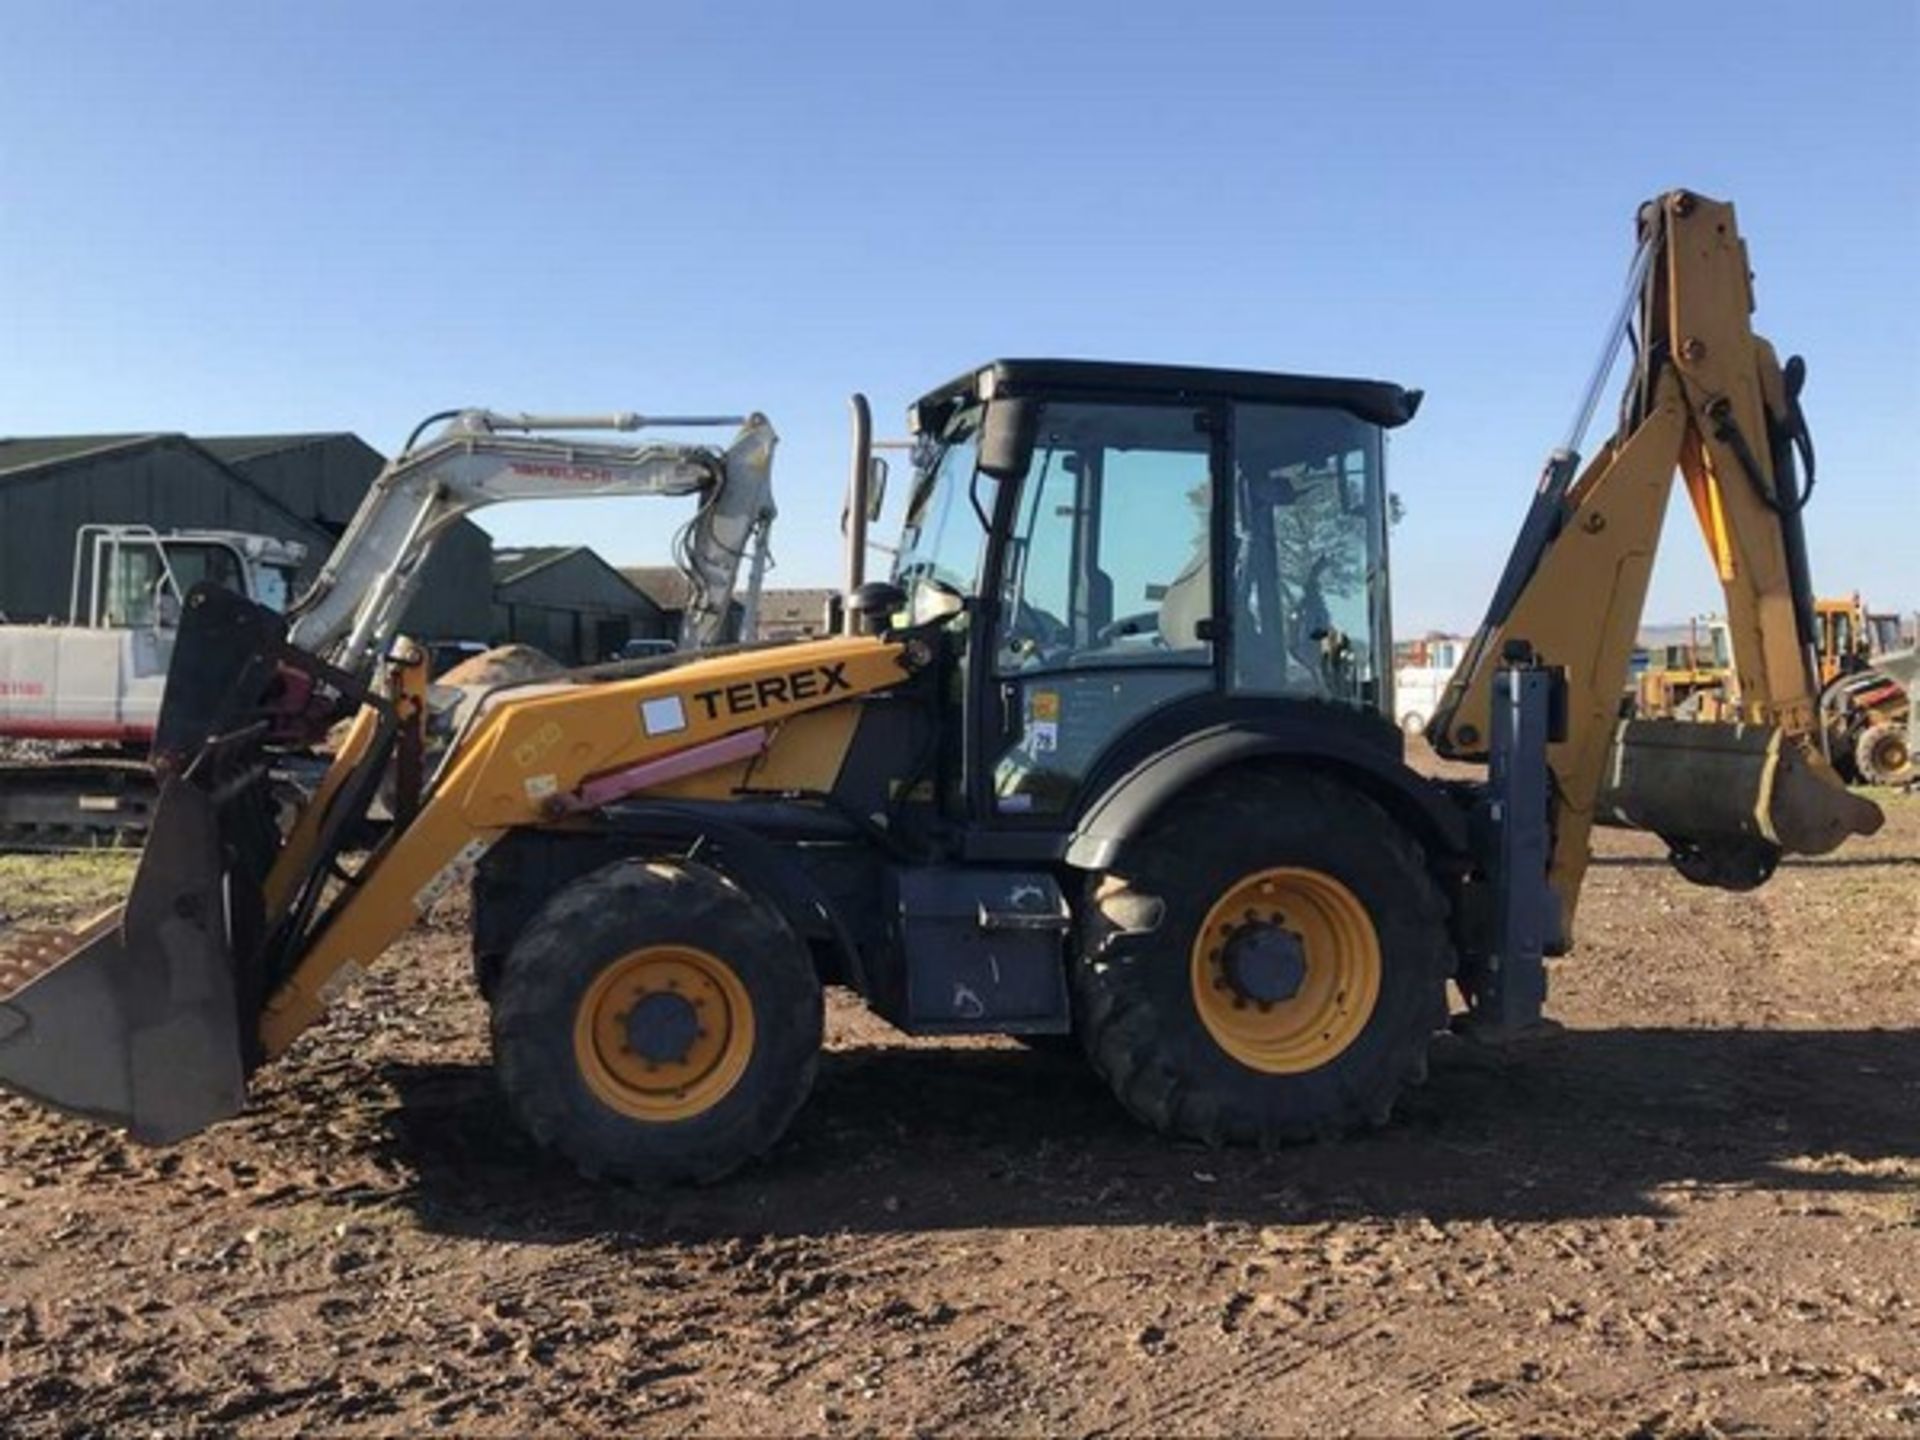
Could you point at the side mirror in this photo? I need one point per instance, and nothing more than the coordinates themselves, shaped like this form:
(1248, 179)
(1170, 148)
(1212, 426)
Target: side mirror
(874, 492)
(1007, 436)
(933, 602)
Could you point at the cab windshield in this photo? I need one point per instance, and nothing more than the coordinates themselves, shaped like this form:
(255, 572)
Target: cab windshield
(274, 584)
(196, 561)
(944, 536)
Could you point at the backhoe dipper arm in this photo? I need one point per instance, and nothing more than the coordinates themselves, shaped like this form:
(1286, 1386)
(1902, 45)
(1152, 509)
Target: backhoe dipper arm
(1707, 399)
(352, 611)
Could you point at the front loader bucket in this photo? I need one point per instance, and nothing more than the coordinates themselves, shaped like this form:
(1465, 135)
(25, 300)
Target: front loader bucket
(147, 1018)
(136, 1019)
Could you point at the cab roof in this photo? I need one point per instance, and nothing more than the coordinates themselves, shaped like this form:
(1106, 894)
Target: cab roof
(1379, 401)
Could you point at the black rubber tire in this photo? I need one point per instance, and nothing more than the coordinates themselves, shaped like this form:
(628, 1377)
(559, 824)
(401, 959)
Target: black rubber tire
(1883, 754)
(1132, 990)
(596, 920)
(1734, 865)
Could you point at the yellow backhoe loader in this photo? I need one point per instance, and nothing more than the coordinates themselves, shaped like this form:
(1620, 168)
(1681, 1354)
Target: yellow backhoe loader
(1111, 752)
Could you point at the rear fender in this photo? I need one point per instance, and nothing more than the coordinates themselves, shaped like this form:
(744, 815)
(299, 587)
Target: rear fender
(1127, 804)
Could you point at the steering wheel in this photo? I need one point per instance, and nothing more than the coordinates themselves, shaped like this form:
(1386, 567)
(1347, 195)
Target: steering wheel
(1146, 622)
(1033, 632)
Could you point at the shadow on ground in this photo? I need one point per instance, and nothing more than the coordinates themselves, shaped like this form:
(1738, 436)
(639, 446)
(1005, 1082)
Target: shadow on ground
(1579, 1124)
(1792, 862)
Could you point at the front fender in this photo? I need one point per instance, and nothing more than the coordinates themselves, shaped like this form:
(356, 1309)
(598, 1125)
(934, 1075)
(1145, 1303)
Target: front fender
(518, 875)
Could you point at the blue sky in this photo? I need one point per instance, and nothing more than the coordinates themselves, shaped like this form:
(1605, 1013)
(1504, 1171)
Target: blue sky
(222, 217)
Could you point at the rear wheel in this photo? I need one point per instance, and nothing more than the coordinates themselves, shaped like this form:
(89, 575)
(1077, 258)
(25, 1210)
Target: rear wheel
(1884, 755)
(654, 1023)
(1268, 963)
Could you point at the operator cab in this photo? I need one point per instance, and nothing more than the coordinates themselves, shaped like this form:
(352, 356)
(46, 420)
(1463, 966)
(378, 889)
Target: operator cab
(1112, 540)
(135, 577)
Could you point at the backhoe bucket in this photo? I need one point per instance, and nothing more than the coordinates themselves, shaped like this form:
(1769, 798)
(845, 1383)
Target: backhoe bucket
(1711, 786)
(135, 1020)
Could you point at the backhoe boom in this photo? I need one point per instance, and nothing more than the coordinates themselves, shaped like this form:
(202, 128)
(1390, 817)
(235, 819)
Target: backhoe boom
(1708, 400)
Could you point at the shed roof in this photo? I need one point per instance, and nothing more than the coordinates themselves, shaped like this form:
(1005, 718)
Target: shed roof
(795, 607)
(31, 452)
(28, 458)
(236, 448)
(662, 584)
(515, 563)
(518, 562)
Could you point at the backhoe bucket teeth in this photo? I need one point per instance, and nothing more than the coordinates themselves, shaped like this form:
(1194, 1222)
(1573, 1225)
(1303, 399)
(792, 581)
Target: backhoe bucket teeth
(1713, 785)
(135, 1020)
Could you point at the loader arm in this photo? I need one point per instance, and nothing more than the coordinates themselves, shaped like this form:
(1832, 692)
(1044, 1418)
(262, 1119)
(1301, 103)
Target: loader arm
(534, 758)
(478, 458)
(1706, 400)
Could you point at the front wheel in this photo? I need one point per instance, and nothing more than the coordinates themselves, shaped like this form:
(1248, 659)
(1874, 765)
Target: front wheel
(655, 1023)
(1883, 755)
(1267, 964)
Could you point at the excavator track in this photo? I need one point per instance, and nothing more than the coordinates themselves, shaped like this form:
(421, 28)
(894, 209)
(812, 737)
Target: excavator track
(76, 803)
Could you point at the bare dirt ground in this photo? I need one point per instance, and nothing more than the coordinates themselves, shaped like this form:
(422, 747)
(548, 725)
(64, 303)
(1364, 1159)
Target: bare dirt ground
(1697, 1210)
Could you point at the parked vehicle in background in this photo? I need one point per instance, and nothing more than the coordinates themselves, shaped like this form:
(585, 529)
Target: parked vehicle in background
(443, 655)
(1866, 705)
(1690, 679)
(1421, 669)
(645, 649)
(99, 675)
(95, 682)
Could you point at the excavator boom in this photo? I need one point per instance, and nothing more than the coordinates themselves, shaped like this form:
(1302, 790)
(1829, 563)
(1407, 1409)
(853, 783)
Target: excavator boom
(480, 458)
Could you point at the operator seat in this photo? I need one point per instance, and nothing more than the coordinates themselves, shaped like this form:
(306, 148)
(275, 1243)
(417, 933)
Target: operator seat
(1188, 601)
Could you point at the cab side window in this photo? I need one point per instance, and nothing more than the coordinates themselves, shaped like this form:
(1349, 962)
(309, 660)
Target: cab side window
(1108, 562)
(1309, 554)
(1106, 581)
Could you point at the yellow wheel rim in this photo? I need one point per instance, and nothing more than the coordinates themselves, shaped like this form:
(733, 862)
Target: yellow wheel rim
(1317, 978)
(1890, 755)
(664, 1033)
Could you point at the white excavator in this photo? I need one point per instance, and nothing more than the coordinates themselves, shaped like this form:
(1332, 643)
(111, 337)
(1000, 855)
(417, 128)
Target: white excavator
(96, 682)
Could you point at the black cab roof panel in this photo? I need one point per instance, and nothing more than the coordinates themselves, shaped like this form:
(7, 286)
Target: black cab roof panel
(1379, 401)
